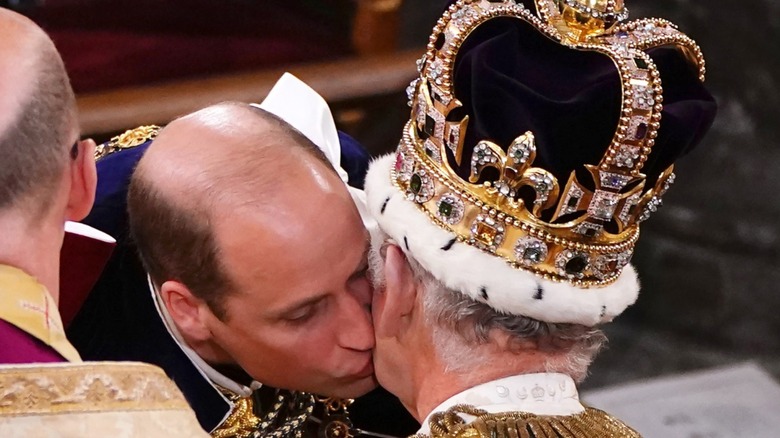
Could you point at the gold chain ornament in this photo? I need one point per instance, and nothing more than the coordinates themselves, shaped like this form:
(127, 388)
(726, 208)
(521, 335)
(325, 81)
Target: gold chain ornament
(292, 409)
(335, 421)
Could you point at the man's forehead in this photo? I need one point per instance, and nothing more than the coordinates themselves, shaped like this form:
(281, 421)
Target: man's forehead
(301, 205)
(229, 129)
(200, 129)
(229, 120)
(225, 118)
(284, 267)
(224, 169)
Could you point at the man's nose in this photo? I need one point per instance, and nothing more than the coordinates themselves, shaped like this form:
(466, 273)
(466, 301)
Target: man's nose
(357, 329)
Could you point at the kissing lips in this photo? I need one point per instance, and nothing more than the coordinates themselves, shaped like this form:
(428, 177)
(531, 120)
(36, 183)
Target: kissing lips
(366, 371)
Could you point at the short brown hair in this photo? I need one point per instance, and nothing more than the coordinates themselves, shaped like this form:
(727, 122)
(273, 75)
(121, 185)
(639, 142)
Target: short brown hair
(35, 146)
(177, 242)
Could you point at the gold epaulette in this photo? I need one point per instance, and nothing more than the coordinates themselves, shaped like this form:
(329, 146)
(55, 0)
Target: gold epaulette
(128, 139)
(285, 419)
(592, 423)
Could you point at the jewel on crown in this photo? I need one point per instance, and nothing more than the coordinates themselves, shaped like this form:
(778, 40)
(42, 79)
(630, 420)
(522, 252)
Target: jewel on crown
(582, 232)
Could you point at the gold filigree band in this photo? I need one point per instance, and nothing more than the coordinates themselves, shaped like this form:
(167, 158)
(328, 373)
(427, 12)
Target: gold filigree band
(126, 140)
(88, 387)
(581, 235)
(592, 423)
(517, 237)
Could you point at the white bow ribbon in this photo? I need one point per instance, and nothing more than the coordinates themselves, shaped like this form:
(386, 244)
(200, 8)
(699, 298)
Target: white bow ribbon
(299, 105)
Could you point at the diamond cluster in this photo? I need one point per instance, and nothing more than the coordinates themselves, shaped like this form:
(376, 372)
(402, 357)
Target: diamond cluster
(590, 235)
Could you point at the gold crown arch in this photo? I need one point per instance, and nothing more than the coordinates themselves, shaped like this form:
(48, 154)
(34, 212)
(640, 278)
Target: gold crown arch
(591, 234)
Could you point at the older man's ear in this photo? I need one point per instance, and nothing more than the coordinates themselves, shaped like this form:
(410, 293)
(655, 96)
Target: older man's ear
(393, 308)
(83, 180)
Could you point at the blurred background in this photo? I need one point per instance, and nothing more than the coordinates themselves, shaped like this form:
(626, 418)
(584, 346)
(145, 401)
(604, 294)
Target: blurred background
(709, 260)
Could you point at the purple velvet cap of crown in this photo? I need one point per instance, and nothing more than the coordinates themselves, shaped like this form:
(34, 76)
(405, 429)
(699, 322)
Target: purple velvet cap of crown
(511, 79)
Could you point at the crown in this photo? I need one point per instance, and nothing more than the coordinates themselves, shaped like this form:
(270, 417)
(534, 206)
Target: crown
(538, 393)
(581, 231)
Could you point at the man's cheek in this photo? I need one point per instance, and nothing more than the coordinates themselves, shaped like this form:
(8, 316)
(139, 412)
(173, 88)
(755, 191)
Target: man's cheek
(364, 292)
(377, 304)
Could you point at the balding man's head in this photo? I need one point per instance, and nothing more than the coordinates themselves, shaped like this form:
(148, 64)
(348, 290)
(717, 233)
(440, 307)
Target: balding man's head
(229, 150)
(221, 158)
(257, 250)
(37, 114)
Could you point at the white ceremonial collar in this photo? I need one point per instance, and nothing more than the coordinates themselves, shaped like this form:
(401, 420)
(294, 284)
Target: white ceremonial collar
(300, 106)
(213, 376)
(293, 101)
(541, 394)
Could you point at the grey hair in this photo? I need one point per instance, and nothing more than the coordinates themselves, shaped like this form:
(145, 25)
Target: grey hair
(35, 146)
(460, 323)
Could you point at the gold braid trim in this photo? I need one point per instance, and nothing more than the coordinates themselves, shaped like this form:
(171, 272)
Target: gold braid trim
(286, 417)
(241, 422)
(90, 387)
(128, 139)
(592, 423)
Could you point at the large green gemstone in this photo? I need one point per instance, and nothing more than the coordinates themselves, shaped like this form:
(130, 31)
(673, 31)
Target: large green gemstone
(445, 209)
(415, 184)
(641, 63)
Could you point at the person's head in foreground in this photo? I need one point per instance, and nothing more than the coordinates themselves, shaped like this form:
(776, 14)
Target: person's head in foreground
(509, 213)
(47, 176)
(257, 250)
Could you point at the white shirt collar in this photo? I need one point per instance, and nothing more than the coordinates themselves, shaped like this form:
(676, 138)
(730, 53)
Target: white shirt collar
(207, 371)
(542, 394)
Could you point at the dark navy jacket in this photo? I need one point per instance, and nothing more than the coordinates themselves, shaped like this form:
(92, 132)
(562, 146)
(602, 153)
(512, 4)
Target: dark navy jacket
(119, 321)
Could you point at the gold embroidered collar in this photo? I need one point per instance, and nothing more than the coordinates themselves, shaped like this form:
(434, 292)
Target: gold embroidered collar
(27, 304)
(592, 423)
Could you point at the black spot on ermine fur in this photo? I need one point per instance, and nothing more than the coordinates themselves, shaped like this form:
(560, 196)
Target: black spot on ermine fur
(449, 244)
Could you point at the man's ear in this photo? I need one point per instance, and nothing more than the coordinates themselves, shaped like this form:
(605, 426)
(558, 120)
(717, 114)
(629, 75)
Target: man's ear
(83, 181)
(186, 310)
(401, 294)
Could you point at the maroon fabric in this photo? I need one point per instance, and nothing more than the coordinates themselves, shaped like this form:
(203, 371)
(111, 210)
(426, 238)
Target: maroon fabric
(113, 43)
(17, 346)
(82, 260)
